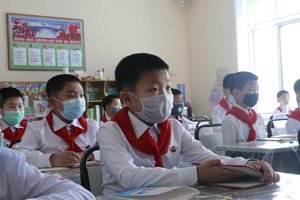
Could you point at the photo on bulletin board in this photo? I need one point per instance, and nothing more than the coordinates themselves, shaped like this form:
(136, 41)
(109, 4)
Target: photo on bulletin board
(45, 43)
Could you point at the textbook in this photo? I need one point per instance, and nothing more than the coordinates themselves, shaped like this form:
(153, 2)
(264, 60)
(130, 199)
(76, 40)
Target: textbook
(244, 168)
(244, 183)
(158, 193)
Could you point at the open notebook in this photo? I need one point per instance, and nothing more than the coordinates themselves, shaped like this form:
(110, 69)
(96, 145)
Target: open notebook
(158, 193)
(252, 181)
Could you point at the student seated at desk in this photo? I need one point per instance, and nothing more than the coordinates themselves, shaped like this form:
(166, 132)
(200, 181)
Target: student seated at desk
(293, 123)
(142, 147)
(225, 104)
(283, 98)
(60, 139)
(13, 124)
(112, 105)
(177, 110)
(242, 123)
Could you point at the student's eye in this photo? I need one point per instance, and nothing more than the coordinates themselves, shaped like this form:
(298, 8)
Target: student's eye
(154, 90)
(169, 88)
(71, 96)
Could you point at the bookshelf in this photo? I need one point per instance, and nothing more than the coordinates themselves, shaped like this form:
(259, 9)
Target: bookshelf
(95, 91)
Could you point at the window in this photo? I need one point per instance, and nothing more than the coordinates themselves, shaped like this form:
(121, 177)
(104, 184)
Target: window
(272, 46)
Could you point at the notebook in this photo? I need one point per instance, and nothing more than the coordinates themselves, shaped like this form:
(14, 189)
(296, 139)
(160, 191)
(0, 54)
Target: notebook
(244, 183)
(158, 193)
(244, 168)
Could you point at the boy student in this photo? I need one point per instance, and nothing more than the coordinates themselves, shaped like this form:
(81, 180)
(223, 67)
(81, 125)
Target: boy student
(242, 123)
(225, 104)
(293, 123)
(19, 180)
(177, 110)
(283, 98)
(112, 105)
(60, 139)
(12, 110)
(142, 147)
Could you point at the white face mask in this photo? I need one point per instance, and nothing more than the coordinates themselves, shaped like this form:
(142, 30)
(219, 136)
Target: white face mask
(155, 109)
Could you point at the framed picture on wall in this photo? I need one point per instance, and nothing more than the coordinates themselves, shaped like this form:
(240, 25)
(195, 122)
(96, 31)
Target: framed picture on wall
(45, 43)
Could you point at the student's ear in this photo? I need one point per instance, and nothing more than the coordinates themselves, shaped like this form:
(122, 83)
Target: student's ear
(52, 102)
(124, 96)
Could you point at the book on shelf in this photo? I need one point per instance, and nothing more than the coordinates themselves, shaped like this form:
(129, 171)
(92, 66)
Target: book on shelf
(98, 113)
(93, 94)
(91, 113)
(158, 193)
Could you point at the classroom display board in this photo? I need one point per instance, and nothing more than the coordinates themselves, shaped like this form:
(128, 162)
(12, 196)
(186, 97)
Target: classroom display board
(35, 98)
(45, 43)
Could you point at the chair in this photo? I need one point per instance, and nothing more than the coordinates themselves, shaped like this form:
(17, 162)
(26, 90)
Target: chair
(203, 122)
(209, 138)
(204, 117)
(270, 125)
(13, 143)
(92, 175)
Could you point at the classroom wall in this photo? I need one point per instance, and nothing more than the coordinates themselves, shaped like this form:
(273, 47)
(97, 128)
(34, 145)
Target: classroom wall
(113, 29)
(212, 46)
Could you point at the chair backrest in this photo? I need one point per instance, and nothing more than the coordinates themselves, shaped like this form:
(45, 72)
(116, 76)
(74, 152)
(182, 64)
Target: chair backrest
(196, 119)
(270, 125)
(203, 122)
(91, 176)
(209, 138)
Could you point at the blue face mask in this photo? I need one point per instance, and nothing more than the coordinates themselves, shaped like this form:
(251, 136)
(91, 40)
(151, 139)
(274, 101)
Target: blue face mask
(231, 100)
(177, 109)
(1, 140)
(115, 109)
(73, 108)
(13, 117)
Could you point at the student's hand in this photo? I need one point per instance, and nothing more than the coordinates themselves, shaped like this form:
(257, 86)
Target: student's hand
(64, 159)
(90, 158)
(210, 171)
(269, 175)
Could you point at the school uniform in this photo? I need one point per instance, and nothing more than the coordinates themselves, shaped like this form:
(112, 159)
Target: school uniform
(234, 130)
(282, 110)
(39, 141)
(219, 112)
(293, 123)
(104, 119)
(125, 167)
(19, 180)
(186, 123)
(13, 133)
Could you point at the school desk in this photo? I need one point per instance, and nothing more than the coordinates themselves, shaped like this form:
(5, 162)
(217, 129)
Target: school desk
(287, 188)
(283, 155)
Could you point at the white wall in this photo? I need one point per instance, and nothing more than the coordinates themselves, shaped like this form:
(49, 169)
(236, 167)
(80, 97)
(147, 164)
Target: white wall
(212, 45)
(113, 29)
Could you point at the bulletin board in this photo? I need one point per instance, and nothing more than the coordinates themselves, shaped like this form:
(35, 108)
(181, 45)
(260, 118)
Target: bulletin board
(45, 43)
(35, 98)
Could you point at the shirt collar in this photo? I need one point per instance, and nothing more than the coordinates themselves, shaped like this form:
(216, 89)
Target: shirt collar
(245, 110)
(58, 123)
(5, 125)
(140, 127)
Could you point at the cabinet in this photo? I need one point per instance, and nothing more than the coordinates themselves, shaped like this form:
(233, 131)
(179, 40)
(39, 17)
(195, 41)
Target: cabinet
(95, 91)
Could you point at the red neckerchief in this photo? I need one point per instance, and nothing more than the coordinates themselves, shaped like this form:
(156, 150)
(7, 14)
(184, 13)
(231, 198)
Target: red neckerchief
(224, 104)
(145, 143)
(295, 114)
(104, 119)
(69, 138)
(17, 135)
(247, 119)
(280, 109)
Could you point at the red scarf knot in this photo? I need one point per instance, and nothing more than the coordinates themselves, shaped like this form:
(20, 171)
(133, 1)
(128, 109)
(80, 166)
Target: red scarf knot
(145, 143)
(224, 104)
(17, 135)
(247, 119)
(69, 138)
(295, 114)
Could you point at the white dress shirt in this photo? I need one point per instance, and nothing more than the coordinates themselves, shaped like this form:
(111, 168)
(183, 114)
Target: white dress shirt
(235, 131)
(3, 126)
(218, 114)
(19, 180)
(39, 142)
(292, 126)
(186, 123)
(125, 168)
(285, 110)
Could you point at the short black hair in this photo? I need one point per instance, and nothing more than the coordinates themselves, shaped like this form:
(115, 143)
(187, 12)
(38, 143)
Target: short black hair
(226, 80)
(130, 68)
(57, 83)
(281, 92)
(9, 92)
(240, 79)
(108, 100)
(175, 91)
(297, 86)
